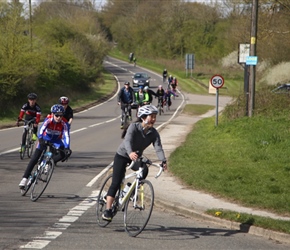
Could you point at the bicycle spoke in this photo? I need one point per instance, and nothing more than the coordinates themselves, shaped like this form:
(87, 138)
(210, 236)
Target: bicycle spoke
(137, 213)
(42, 179)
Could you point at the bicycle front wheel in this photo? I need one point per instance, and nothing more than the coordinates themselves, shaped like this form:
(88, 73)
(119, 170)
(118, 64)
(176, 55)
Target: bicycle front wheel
(42, 179)
(29, 143)
(137, 214)
(101, 201)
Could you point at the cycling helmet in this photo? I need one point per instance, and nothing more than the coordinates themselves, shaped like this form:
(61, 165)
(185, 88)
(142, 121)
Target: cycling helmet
(140, 87)
(32, 96)
(57, 108)
(147, 110)
(146, 87)
(160, 86)
(127, 83)
(63, 100)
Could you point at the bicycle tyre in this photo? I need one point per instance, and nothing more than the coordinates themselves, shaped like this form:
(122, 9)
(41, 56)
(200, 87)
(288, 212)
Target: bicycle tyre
(29, 142)
(136, 218)
(159, 109)
(101, 201)
(41, 181)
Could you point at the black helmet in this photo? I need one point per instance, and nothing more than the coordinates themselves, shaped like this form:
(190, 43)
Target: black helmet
(127, 83)
(32, 96)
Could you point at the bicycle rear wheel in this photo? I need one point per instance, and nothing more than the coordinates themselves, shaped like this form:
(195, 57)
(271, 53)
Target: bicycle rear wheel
(101, 201)
(29, 143)
(42, 179)
(136, 217)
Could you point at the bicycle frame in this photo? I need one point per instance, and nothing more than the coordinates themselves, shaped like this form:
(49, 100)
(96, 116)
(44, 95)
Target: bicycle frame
(138, 175)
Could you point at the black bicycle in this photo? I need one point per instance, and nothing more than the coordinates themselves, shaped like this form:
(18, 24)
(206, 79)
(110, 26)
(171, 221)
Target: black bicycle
(160, 105)
(126, 118)
(29, 143)
(41, 176)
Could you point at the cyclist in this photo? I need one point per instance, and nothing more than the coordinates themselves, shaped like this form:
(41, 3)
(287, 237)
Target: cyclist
(54, 130)
(126, 97)
(160, 95)
(142, 98)
(170, 79)
(134, 61)
(137, 138)
(150, 92)
(167, 96)
(68, 111)
(164, 74)
(174, 84)
(31, 110)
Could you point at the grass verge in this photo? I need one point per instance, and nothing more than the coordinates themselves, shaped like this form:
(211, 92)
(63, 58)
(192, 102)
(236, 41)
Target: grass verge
(252, 220)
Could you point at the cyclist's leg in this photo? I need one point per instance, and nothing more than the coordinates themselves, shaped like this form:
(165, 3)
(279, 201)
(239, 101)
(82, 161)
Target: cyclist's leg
(119, 169)
(138, 209)
(33, 161)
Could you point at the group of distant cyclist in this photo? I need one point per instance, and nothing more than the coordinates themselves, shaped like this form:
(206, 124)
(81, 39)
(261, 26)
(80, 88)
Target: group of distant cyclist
(129, 99)
(54, 129)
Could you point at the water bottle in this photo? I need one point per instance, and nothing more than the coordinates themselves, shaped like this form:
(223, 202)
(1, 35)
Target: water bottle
(124, 191)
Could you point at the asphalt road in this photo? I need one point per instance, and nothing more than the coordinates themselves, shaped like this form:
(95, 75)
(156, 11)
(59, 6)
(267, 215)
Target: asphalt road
(64, 217)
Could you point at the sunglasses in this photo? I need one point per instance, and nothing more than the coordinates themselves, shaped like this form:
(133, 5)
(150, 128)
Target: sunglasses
(57, 115)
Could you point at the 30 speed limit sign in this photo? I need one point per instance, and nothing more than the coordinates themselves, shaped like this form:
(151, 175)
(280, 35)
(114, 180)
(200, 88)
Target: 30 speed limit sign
(217, 81)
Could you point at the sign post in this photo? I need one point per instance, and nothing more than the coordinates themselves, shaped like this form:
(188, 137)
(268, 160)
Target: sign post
(217, 81)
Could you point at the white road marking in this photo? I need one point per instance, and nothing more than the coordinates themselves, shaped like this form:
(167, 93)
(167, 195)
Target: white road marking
(36, 244)
(49, 235)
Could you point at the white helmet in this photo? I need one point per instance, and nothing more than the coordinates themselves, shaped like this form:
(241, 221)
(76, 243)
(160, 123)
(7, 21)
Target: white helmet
(146, 87)
(147, 110)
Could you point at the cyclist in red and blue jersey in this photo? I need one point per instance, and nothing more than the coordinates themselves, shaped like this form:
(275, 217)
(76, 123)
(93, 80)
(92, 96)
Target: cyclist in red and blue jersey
(55, 130)
(31, 110)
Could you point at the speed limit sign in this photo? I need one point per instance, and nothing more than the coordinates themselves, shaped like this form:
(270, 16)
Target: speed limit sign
(217, 81)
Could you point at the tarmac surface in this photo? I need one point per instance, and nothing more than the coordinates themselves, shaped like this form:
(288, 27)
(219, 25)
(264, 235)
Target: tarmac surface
(171, 194)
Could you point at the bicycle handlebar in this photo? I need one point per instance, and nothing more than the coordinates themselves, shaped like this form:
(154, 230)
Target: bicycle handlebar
(147, 161)
(28, 121)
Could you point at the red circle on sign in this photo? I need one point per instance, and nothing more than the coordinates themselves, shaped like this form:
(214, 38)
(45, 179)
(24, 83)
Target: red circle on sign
(217, 81)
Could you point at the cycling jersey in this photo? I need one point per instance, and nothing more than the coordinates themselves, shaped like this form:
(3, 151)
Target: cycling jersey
(55, 132)
(136, 139)
(30, 112)
(142, 97)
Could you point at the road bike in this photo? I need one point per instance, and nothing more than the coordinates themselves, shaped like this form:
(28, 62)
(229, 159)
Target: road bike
(160, 105)
(29, 143)
(41, 176)
(137, 203)
(126, 118)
